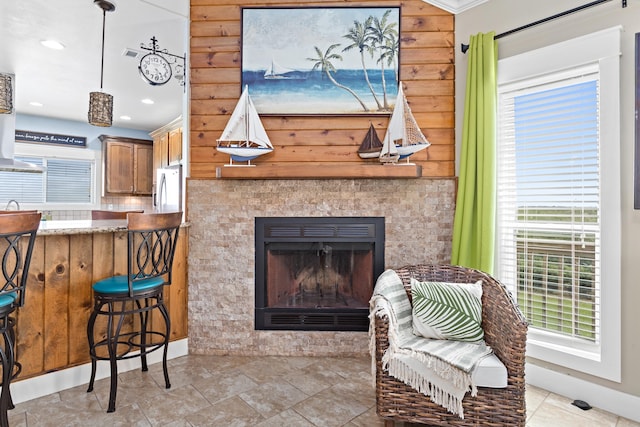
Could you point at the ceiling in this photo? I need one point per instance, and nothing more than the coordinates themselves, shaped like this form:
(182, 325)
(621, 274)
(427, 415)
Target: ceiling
(61, 79)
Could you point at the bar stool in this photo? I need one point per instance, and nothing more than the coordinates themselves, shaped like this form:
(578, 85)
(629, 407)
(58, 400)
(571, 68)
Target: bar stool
(17, 237)
(100, 214)
(151, 244)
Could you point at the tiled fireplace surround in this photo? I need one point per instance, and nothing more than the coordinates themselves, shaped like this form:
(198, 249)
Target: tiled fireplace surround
(418, 220)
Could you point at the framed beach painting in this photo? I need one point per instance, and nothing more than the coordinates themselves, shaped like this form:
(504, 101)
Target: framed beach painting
(321, 60)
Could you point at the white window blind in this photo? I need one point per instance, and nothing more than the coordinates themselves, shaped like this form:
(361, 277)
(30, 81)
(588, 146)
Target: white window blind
(24, 187)
(65, 182)
(549, 177)
(69, 181)
(559, 207)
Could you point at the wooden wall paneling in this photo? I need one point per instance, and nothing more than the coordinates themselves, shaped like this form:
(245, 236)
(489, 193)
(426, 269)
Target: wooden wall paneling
(212, 91)
(103, 265)
(56, 293)
(178, 289)
(80, 295)
(30, 318)
(51, 327)
(426, 70)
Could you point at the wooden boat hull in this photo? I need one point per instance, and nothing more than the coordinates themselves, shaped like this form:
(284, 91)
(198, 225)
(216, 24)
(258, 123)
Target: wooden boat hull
(369, 154)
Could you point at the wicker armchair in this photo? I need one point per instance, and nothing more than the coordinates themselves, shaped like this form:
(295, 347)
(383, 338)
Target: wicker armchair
(505, 332)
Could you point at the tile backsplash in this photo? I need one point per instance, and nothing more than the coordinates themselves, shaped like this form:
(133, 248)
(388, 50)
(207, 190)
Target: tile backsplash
(107, 203)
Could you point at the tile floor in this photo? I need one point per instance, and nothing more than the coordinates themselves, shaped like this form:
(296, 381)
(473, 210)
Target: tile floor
(258, 392)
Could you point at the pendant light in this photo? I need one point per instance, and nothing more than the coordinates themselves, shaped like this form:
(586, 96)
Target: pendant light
(6, 94)
(101, 103)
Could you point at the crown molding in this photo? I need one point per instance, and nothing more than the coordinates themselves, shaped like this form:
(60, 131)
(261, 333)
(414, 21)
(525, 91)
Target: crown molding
(455, 6)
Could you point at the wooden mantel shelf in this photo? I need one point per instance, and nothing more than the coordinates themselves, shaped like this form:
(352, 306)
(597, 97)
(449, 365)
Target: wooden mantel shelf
(401, 170)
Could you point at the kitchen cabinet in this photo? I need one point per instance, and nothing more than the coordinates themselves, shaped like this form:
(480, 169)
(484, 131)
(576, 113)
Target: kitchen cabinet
(161, 151)
(128, 165)
(175, 146)
(167, 144)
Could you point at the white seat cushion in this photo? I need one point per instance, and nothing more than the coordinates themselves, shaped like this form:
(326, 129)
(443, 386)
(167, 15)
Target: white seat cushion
(490, 372)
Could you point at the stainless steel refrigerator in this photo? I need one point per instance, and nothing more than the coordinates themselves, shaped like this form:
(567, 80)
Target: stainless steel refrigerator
(167, 196)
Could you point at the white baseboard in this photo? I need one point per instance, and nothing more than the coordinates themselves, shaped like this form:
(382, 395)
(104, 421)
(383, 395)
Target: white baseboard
(53, 382)
(616, 402)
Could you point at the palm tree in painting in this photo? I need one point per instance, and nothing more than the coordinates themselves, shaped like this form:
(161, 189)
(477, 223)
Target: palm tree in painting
(360, 37)
(390, 54)
(323, 61)
(382, 31)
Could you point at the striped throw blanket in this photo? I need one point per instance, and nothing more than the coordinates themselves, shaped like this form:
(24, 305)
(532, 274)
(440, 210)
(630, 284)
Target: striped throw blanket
(440, 369)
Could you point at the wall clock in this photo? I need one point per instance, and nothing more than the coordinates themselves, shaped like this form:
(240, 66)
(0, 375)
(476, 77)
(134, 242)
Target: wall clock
(154, 69)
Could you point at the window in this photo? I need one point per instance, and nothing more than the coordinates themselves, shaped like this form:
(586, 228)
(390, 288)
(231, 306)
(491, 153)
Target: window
(559, 199)
(68, 182)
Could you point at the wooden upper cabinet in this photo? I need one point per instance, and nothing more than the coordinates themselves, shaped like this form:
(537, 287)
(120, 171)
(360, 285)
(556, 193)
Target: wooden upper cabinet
(167, 144)
(161, 151)
(143, 169)
(175, 146)
(128, 165)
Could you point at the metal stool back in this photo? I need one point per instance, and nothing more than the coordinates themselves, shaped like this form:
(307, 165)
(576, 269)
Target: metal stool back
(17, 237)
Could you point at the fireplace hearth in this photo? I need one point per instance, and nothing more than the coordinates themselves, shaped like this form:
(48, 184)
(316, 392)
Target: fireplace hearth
(316, 273)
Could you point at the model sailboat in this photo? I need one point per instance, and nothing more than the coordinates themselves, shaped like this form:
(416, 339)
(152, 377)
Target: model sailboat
(403, 137)
(371, 145)
(244, 137)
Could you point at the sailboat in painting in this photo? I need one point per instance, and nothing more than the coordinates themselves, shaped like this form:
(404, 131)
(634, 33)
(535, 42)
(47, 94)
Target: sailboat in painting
(277, 72)
(403, 137)
(371, 145)
(244, 137)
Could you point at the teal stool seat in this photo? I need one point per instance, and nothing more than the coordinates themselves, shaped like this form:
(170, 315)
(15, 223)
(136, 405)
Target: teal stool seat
(6, 300)
(120, 285)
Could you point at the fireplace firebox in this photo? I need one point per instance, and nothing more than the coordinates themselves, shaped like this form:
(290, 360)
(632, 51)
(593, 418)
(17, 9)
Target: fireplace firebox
(316, 273)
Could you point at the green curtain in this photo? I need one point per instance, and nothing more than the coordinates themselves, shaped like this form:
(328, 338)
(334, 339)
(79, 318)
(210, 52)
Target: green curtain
(474, 221)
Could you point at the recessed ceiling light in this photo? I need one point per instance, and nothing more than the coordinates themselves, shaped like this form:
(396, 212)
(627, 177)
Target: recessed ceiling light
(52, 44)
(125, 118)
(35, 104)
(148, 101)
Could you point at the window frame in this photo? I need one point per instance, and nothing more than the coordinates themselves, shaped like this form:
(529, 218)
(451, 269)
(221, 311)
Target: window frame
(69, 153)
(601, 50)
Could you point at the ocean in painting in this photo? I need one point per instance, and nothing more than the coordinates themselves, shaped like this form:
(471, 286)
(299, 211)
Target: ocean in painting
(306, 92)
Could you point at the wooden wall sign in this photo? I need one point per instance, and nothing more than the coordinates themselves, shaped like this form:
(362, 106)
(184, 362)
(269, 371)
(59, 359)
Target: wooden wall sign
(50, 138)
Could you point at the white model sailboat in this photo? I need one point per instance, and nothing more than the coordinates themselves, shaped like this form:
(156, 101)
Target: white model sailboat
(244, 137)
(403, 137)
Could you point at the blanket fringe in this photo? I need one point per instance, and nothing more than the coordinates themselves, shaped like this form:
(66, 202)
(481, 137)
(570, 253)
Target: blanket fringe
(407, 375)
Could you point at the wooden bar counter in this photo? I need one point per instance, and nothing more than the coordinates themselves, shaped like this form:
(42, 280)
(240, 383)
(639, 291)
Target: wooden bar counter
(68, 257)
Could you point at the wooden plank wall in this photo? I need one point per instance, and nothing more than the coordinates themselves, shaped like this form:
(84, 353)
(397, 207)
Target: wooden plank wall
(426, 71)
(51, 328)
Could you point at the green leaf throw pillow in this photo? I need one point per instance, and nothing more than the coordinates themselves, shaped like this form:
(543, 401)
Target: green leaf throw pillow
(451, 311)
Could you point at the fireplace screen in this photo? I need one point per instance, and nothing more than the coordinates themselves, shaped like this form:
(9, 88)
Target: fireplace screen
(316, 273)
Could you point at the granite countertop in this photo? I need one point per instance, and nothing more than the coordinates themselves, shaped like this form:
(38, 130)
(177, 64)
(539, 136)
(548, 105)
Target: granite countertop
(48, 228)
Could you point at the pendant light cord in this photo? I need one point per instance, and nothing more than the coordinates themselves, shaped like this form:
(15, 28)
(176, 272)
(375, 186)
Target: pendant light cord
(104, 18)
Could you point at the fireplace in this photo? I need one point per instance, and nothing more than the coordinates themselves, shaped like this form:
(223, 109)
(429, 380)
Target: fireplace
(316, 273)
